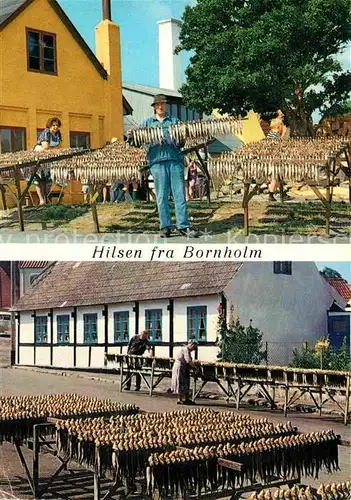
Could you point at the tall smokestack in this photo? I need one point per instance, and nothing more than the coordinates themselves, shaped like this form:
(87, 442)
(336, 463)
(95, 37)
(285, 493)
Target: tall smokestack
(170, 64)
(106, 10)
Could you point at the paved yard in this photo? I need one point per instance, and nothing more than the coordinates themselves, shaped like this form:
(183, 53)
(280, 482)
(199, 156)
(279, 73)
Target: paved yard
(20, 381)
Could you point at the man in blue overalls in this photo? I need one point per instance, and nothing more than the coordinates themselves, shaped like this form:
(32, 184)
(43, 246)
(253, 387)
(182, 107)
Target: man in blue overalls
(167, 169)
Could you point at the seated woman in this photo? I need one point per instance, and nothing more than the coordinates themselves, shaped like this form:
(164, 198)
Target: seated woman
(181, 373)
(49, 138)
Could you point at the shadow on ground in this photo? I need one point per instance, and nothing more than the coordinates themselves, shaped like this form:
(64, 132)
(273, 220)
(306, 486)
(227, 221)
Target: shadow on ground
(70, 485)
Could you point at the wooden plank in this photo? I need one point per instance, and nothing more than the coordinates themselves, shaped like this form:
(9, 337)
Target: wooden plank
(229, 464)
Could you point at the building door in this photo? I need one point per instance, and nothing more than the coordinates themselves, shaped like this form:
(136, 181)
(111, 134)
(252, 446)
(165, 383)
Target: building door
(339, 329)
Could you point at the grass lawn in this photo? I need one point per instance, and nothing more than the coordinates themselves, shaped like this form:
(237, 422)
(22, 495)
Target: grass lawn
(303, 217)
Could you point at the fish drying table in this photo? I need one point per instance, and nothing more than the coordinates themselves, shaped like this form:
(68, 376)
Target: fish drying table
(43, 443)
(92, 166)
(236, 380)
(18, 169)
(254, 175)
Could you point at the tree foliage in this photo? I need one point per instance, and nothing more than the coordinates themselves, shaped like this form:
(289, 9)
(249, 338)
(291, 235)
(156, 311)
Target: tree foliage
(328, 272)
(238, 343)
(266, 55)
(323, 356)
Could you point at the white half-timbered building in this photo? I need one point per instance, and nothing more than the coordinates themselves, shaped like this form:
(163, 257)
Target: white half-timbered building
(75, 313)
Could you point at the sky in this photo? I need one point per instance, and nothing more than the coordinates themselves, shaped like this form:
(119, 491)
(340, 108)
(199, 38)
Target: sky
(344, 268)
(139, 31)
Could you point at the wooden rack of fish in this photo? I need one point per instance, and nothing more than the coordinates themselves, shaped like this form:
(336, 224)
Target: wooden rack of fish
(117, 161)
(236, 380)
(294, 160)
(200, 130)
(169, 455)
(333, 491)
(312, 162)
(18, 414)
(196, 452)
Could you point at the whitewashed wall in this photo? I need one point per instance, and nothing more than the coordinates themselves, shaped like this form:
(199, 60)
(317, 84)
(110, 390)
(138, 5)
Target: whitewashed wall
(286, 308)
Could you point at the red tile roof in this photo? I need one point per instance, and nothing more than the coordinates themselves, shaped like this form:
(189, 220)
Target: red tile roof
(341, 286)
(32, 264)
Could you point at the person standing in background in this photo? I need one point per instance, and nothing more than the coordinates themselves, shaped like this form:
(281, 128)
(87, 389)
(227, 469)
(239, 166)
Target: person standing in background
(49, 138)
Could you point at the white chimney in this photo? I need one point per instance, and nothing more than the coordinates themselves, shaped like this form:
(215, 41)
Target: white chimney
(170, 64)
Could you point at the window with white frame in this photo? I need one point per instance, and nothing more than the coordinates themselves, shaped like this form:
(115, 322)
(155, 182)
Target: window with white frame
(121, 326)
(62, 324)
(90, 328)
(153, 323)
(197, 323)
(41, 329)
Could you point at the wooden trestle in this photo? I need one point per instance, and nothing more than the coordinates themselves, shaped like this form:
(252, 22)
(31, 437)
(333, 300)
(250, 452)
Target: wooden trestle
(235, 381)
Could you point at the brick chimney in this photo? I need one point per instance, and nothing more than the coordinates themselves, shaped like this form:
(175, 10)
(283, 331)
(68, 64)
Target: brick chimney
(170, 64)
(108, 52)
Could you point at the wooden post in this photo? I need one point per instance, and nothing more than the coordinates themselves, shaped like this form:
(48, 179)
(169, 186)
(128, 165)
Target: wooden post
(152, 376)
(347, 403)
(3, 197)
(93, 198)
(286, 401)
(16, 175)
(35, 472)
(121, 375)
(97, 490)
(328, 198)
(245, 205)
(238, 394)
(281, 189)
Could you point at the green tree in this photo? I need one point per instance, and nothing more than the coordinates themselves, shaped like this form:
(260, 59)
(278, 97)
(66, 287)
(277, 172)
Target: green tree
(239, 343)
(328, 272)
(266, 55)
(322, 355)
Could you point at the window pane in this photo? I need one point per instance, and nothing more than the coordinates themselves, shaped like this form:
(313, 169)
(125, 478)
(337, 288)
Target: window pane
(5, 140)
(34, 63)
(83, 141)
(49, 53)
(48, 40)
(49, 66)
(18, 140)
(183, 113)
(174, 110)
(33, 44)
(190, 114)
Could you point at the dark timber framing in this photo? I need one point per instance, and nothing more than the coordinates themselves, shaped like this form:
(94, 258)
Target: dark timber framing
(170, 309)
(51, 316)
(74, 316)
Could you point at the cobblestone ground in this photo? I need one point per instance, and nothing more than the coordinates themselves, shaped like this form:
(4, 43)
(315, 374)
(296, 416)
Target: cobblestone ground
(21, 381)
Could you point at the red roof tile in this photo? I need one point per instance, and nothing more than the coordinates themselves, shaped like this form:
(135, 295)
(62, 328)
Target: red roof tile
(341, 286)
(32, 264)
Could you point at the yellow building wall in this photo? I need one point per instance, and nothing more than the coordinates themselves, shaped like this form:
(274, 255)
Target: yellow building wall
(78, 95)
(251, 131)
